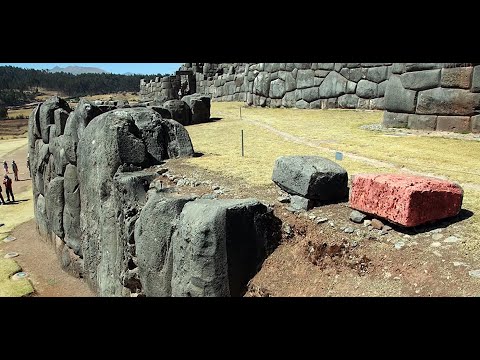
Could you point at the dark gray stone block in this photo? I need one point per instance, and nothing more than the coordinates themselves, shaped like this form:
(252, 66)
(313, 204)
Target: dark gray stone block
(397, 98)
(312, 177)
(441, 101)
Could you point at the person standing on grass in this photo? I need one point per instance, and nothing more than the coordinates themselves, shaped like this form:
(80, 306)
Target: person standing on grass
(1, 196)
(28, 164)
(15, 170)
(5, 166)
(8, 187)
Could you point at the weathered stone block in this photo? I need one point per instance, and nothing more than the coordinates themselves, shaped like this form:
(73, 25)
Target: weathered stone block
(305, 78)
(421, 80)
(377, 74)
(312, 177)
(395, 120)
(460, 77)
(443, 101)
(422, 122)
(334, 85)
(404, 199)
(453, 123)
(277, 89)
(367, 89)
(397, 98)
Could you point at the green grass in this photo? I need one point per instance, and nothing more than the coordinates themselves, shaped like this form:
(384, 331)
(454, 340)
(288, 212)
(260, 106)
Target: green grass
(9, 287)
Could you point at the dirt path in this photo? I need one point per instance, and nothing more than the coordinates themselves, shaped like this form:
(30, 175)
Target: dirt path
(36, 257)
(39, 261)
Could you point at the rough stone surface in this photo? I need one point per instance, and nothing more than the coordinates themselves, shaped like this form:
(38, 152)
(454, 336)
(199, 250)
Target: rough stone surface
(421, 80)
(75, 125)
(312, 177)
(397, 98)
(46, 115)
(440, 101)
(460, 77)
(405, 200)
(41, 215)
(453, 123)
(334, 85)
(422, 122)
(200, 106)
(367, 89)
(218, 246)
(71, 212)
(300, 203)
(54, 203)
(179, 110)
(153, 232)
(476, 79)
(475, 122)
(395, 120)
(357, 216)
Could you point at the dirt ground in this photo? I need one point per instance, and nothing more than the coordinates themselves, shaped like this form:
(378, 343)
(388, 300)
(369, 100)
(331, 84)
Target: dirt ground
(423, 261)
(36, 257)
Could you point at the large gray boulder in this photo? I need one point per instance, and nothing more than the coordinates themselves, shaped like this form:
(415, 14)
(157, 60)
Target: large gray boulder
(47, 117)
(219, 245)
(200, 107)
(397, 98)
(179, 110)
(57, 148)
(334, 85)
(153, 232)
(55, 202)
(76, 123)
(109, 140)
(41, 216)
(442, 101)
(421, 80)
(71, 212)
(312, 177)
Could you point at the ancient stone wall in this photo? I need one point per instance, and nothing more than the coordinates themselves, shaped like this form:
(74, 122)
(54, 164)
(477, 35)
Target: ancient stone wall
(97, 200)
(433, 96)
(301, 85)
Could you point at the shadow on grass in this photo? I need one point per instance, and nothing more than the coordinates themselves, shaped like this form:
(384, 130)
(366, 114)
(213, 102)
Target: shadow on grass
(16, 202)
(198, 154)
(213, 119)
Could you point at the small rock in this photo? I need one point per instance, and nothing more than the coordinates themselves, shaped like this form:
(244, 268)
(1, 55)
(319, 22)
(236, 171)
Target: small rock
(331, 223)
(437, 237)
(377, 224)
(437, 253)
(9, 239)
(354, 243)
(181, 182)
(399, 245)
(349, 230)
(291, 209)
(283, 199)
(474, 273)
(287, 229)
(383, 232)
(387, 275)
(396, 278)
(312, 217)
(459, 263)
(406, 236)
(358, 232)
(435, 244)
(215, 187)
(386, 228)
(357, 216)
(321, 220)
(209, 196)
(197, 183)
(451, 239)
(367, 223)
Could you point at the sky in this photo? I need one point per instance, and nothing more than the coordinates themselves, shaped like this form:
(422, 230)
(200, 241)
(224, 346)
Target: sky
(116, 68)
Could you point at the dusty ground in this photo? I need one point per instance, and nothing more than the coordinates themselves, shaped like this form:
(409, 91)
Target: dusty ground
(36, 258)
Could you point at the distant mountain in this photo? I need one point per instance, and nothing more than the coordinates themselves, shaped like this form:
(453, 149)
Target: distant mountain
(129, 73)
(75, 70)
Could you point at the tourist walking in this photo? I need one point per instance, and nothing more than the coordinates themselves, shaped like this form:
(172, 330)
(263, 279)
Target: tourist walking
(8, 187)
(28, 164)
(15, 170)
(5, 166)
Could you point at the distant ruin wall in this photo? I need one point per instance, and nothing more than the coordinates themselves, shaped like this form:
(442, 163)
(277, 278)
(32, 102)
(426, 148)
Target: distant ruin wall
(434, 96)
(301, 85)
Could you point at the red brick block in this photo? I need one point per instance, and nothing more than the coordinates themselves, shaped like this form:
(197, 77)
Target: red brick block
(404, 199)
